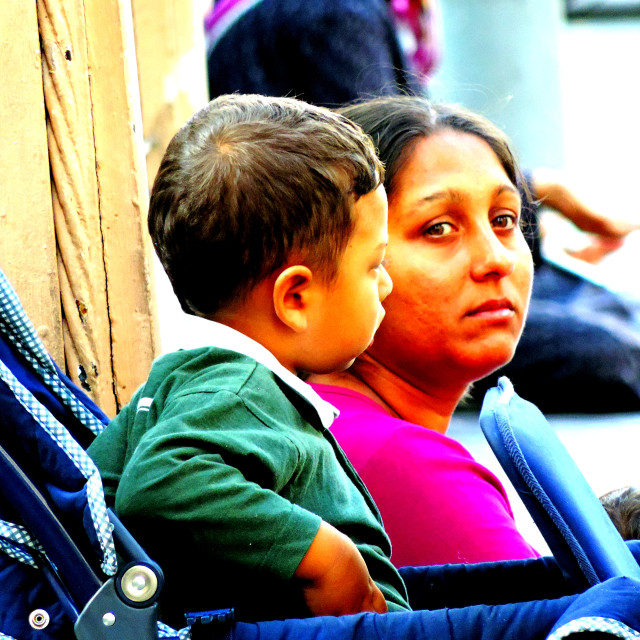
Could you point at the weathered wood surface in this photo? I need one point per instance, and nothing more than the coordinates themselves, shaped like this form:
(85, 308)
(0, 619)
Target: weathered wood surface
(27, 239)
(73, 189)
(123, 194)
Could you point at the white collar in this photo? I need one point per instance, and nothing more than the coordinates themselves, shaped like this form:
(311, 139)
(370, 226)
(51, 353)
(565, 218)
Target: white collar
(202, 333)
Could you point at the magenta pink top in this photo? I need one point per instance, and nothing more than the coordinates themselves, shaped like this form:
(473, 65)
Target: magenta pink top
(437, 503)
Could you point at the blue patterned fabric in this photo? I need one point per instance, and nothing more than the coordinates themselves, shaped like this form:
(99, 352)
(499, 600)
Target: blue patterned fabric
(45, 423)
(610, 607)
(24, 342)
(84, 464)
(15, 541)
(602, 625)
(16, 326)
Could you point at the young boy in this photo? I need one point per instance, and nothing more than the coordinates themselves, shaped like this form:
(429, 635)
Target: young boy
(269, 218)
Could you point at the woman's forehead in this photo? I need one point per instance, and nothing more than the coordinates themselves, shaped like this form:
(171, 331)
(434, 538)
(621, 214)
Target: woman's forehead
(448, 147)
(449, 167)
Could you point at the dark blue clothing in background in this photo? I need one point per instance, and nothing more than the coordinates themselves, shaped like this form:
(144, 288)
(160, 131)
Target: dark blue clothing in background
(326, 52)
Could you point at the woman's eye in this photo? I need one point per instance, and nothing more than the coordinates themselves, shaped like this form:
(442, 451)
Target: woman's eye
(439, 229)
(505, 221)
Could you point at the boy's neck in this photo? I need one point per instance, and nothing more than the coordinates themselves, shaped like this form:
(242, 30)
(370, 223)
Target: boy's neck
(251, 319)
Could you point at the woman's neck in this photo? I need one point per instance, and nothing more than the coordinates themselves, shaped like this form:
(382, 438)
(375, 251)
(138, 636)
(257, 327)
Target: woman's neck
(429, 408)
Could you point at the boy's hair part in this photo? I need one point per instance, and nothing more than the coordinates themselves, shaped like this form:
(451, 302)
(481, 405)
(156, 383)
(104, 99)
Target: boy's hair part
(249, 183)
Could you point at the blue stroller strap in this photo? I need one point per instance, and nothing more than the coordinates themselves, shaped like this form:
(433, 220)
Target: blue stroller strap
(19, 330)
(83, 463)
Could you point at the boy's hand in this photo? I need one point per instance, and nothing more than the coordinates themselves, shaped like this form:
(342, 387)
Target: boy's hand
(335, 578)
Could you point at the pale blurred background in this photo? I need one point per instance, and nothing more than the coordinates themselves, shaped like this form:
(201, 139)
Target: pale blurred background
(567, 93)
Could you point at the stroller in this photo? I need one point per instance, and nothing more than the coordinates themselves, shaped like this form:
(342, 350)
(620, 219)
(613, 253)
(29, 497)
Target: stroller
(69, 568)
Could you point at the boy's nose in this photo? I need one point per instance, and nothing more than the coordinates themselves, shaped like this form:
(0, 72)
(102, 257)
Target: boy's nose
(385, 284)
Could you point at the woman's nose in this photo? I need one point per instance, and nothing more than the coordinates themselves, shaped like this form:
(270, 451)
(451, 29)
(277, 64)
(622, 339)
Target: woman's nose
(385, 284)
(490, 257)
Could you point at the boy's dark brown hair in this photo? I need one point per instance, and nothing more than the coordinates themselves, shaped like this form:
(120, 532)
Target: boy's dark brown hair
(249, 183)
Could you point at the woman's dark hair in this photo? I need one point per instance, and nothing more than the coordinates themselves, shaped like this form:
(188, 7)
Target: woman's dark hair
(397, 123)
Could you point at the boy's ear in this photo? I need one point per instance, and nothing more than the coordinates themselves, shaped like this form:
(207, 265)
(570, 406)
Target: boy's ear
(291, 296)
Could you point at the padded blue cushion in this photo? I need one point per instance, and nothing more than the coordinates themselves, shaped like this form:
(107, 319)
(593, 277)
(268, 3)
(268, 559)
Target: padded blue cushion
(569, 515)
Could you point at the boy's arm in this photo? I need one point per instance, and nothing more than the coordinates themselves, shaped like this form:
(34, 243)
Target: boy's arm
(335, 579)
(211, 480)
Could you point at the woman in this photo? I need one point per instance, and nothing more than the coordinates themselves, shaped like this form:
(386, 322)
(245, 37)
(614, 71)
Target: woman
(462, 274)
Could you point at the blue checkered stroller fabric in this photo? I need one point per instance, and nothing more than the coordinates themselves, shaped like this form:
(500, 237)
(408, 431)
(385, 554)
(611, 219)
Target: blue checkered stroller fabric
(46, 423)
(69, 569)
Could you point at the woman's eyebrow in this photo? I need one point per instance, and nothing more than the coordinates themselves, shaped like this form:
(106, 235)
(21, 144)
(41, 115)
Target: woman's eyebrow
(457, 196)
(453, 195)
(450, 195)
(446, 194)
(506, 188)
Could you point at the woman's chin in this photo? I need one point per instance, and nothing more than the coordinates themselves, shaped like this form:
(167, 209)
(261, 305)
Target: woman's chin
(483, 366)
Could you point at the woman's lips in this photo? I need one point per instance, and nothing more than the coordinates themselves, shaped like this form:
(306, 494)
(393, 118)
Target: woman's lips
(493, 309)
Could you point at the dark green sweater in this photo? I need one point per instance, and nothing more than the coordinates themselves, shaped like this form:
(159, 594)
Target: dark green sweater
(223, 472)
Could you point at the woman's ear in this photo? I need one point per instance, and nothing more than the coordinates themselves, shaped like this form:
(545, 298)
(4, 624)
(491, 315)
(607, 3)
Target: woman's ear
(291, 296)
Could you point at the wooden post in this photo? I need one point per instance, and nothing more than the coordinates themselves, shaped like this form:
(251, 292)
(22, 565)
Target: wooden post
(98, 192)
(73, 185)
(74, 189)
(123, 192)
(27, 239)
